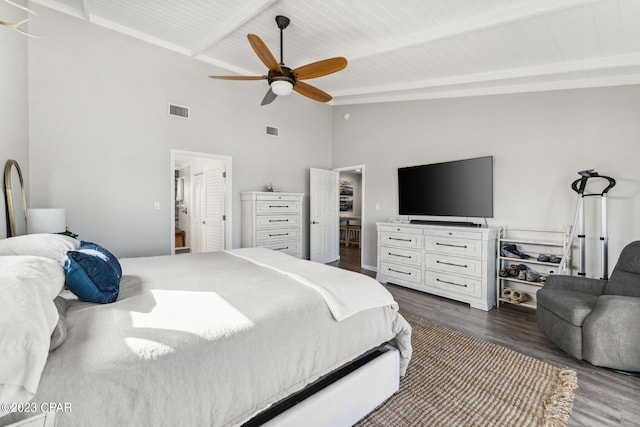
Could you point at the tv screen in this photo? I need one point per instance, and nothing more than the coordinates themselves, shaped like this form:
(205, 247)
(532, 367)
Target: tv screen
(460, 188)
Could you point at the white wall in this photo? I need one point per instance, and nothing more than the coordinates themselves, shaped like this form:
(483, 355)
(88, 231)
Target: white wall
(14, 128)
(539, 141)
(101, 137)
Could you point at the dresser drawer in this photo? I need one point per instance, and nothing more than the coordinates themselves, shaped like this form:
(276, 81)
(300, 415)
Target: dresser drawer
(277, 235)
(404, 272)
(455, 234)
(271, 221)
(403, 256)
(453, 246)
(264, 207)
(291, 248)
(401, 229)
(402, 240)
(278, 197)
(447, 263)
(452, 283)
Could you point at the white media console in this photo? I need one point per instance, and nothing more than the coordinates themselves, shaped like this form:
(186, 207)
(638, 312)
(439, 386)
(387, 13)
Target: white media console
(450, 261)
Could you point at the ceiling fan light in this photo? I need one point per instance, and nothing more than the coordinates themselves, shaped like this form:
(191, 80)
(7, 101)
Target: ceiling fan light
(281, 87)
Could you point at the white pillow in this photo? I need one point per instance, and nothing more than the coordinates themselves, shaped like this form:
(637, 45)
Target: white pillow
(28, 316)
(53, 246)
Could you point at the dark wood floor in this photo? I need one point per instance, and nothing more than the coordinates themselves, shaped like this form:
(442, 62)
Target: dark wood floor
(603, 397)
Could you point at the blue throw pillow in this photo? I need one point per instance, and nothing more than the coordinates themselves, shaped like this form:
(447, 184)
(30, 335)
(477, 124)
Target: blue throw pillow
(90, 277)
(110, 258)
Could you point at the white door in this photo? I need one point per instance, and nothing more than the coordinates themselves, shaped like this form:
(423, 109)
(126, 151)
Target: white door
(323, 212)
(209, 209)
(214, 208)
(198, 232)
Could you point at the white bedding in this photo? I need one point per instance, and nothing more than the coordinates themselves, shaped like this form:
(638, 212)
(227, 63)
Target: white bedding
(209, 339)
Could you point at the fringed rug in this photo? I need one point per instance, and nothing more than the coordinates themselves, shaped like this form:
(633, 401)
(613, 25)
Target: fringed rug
(455, 379)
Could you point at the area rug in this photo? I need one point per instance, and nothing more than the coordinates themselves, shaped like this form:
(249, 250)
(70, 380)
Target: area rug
(455, 379)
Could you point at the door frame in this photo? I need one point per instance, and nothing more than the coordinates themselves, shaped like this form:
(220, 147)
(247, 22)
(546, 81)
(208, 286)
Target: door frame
(228, 195)
(362, 207)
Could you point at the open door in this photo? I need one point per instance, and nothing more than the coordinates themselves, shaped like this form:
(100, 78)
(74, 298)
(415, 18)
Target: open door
(323, 212)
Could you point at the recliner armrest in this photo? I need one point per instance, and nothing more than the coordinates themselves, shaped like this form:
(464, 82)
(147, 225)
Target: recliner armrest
(610, 334)
(575, 283)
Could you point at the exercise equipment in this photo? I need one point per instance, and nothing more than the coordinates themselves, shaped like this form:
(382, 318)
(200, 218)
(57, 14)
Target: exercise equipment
(579, 186)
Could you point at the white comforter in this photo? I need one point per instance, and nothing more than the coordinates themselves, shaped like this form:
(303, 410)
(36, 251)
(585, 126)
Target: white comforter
(212, 339)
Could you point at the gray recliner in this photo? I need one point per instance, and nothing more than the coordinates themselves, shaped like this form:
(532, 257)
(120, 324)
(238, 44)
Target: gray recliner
(596, 320)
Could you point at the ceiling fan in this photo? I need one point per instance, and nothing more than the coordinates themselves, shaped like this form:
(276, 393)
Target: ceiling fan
(282, 80)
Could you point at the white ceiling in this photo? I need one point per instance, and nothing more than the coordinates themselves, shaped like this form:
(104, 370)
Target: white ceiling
(397, 50)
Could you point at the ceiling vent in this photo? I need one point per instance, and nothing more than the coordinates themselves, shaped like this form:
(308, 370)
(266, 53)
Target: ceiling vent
(178, 111)
(273, 131)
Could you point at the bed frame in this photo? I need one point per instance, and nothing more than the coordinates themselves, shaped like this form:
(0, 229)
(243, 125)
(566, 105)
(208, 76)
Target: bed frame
(341, 398)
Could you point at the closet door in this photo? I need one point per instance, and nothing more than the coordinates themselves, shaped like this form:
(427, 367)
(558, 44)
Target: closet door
(214, 208)
(198, 229)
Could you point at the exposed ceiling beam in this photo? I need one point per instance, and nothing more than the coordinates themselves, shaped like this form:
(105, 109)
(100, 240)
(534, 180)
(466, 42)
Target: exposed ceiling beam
(457, 92)
(86, 7)
(494, 18)
(585, 65)
(138, 35)
(247, 12)
(60, 7)
(225, 65)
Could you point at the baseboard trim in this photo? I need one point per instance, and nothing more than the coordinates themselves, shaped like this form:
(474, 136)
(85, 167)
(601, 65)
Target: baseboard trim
(369, 267)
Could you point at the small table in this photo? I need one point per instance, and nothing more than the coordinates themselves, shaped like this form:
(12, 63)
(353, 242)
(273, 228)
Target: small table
(346, 229)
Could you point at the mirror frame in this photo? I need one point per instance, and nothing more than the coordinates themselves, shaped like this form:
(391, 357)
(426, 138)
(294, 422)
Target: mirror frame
(10, 203)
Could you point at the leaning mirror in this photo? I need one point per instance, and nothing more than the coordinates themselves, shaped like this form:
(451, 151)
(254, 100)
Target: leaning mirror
(16, 202)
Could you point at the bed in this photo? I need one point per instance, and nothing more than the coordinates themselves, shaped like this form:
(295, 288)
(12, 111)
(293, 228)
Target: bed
(219, 338)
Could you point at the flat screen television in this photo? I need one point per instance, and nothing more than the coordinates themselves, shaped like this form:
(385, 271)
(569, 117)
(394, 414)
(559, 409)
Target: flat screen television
(462, 188)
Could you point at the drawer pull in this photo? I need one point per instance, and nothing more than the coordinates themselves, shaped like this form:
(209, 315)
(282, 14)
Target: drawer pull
(281, 249)
(450, 245)
(278, 206)
(452, 264)
(399, 255)
(451, 283)
(400, 240)
(398, 271)
(278, 234)
(278, 220)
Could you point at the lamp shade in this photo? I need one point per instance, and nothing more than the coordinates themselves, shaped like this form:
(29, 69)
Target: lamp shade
(46, 221)
(281, 87)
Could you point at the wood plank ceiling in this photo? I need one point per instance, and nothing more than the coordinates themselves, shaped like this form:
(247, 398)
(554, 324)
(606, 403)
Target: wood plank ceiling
(405, 49)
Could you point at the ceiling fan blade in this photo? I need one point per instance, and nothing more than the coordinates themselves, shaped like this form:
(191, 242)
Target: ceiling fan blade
(264, 53)
(239, 77)
(268, 97)
(320, 68)
(311, 92)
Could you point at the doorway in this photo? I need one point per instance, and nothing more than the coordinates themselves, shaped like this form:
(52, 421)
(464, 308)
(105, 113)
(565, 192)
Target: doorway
(352, 215)
(201, 188)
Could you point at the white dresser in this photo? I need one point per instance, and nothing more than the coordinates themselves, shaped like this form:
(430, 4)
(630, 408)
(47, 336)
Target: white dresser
(272, 220)
(453, 262)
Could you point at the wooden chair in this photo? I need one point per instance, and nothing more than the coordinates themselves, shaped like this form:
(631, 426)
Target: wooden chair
(344, 235)
(353, 235)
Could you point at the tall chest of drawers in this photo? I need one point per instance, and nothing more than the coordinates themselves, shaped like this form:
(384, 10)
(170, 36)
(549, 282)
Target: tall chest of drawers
(272, 220)
(453, 262)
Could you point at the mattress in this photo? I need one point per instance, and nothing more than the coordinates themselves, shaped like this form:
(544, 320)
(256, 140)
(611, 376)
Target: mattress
(213, 339)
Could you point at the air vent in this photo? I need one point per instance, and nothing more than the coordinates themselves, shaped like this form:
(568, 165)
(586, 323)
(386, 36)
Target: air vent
(179, 111)
(273, 131)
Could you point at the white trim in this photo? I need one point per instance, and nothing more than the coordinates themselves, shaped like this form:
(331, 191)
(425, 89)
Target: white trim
(370, 268)
(228, 199)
